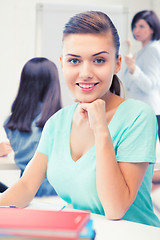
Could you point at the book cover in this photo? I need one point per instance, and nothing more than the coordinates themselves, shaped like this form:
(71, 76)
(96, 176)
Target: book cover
(42, 223)
(88, 233)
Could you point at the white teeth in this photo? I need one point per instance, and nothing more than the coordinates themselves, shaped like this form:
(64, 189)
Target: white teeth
(86, 86)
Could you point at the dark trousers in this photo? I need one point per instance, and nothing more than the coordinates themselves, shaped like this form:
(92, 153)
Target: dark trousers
(3, 187)
(158, 119)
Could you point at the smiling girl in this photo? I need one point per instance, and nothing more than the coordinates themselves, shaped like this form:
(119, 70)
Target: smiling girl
(98, 153)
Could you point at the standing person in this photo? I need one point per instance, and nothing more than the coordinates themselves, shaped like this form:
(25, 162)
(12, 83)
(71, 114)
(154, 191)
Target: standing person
(98, 153)
(142, 76)
(37, 99)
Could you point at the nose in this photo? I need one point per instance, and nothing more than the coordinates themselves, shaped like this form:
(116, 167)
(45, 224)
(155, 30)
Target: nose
(86, 71)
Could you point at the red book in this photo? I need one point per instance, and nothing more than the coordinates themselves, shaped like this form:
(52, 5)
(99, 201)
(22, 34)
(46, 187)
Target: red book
(42, 223)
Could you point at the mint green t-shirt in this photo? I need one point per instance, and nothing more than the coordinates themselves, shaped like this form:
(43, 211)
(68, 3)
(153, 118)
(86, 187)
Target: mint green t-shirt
(133, 130)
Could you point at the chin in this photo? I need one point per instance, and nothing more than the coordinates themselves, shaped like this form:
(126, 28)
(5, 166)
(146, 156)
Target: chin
(89, 100)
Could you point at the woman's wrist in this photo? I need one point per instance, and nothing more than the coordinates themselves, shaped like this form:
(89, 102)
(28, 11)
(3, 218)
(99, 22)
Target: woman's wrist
(101, 134)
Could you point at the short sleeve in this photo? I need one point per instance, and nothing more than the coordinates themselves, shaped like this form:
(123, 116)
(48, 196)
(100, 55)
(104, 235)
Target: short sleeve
(46, 140)
(138, 141)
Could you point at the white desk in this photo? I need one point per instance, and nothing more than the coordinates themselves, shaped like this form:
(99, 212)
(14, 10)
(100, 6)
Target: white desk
(9, 171)
(8, 163)
(123, 230)
(106, 229)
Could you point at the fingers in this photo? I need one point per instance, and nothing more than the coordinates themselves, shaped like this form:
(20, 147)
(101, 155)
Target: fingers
(130, 60)
(84, 113)
(5, 148)
(94, 113)
(76, 100)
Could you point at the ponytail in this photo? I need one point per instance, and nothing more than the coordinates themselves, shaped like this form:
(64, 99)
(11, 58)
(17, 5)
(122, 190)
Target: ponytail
(116, 86)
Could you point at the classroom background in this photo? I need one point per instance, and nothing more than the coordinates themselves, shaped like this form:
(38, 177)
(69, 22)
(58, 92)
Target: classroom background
(18, 26)
(19, 30)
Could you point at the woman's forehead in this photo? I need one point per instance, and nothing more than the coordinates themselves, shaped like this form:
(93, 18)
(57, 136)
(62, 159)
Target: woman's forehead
(78, 42)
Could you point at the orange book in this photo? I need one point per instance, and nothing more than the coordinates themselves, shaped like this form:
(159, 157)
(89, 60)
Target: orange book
(42, 223)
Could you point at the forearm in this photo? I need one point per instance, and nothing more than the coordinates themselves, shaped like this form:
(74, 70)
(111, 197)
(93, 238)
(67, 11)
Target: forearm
(112, 188)
(24, 190)
(18, 195)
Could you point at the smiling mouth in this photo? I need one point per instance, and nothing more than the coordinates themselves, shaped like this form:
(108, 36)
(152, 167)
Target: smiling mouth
(86, 85)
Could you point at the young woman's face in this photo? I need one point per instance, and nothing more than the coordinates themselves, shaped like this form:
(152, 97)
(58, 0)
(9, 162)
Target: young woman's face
(88, 64)
(142, 31)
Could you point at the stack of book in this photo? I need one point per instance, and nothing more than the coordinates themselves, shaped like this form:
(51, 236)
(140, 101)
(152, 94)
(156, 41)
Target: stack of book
(21, 223)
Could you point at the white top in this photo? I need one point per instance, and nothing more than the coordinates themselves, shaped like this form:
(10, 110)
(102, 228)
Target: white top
(144, 83)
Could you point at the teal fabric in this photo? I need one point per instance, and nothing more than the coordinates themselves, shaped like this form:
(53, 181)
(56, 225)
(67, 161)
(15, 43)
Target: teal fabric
(133, 132)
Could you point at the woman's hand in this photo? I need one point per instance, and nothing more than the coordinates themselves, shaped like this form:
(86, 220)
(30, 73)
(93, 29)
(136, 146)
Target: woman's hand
(94, 113)
(130, 61)
(5, 148)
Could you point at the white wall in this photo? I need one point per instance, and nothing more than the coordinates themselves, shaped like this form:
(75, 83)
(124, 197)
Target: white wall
(17, 41)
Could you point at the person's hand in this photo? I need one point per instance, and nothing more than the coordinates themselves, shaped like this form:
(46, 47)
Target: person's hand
(5, 148)
(94, 113)
(130, 61)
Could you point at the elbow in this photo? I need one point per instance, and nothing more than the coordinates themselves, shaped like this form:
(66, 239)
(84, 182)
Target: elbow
(116, 212)
(115, 215)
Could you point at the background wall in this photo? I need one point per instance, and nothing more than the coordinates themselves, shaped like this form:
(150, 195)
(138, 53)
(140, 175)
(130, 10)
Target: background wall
(18, 38)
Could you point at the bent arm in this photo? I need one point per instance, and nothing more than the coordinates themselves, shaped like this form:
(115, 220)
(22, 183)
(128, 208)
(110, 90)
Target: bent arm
(117, 183)
(146, 76)
(21, 193)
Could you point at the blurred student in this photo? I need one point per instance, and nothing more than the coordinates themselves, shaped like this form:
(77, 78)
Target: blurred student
(37, 99)
(142, 76)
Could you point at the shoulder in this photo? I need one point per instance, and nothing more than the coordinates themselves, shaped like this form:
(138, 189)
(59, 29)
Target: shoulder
(61, 116)
(137, 133)
(153, 48)
(136, 107)
(136, 104)
(65, 111)
(138, 112)
(6, 121)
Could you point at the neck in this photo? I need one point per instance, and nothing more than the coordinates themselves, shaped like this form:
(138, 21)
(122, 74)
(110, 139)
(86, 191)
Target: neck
(145, 43)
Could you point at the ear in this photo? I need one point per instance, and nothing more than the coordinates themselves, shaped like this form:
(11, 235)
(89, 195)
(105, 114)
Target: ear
(61, 61)
(118, 64)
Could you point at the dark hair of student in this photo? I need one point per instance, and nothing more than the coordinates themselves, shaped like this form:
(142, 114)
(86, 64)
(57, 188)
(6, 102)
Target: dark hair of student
(39, 85)
(95, 22)
(152, 20)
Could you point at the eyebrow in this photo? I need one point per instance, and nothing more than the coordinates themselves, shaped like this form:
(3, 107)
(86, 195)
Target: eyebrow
(100, 53)
(74, 55)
